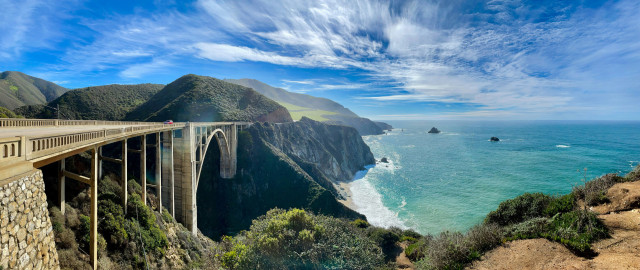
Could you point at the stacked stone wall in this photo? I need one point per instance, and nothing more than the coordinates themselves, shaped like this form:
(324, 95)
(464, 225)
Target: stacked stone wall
(26, 235)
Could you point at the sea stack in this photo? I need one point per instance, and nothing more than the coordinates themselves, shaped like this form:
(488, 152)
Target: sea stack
(384, 160)
(434, 130)
(494, 139)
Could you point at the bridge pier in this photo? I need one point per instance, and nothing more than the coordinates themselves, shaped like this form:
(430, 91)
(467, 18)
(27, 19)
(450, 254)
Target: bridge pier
(167, 187)
(61, 185)
(124, 177)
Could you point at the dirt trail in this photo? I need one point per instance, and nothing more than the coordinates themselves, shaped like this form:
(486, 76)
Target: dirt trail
(621, 251)
(402, 261)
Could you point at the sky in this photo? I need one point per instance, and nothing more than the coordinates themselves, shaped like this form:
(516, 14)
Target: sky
(448, 59)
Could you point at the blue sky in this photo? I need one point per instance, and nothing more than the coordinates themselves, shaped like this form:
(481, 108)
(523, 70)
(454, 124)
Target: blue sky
(507, 59)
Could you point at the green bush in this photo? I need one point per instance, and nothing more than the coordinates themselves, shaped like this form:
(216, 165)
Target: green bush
(166, 216)
(594, 192)
(143, 224)
(112, 223)
(360, 223)
(521, 208)
(83, 235)
(561, 204)
(576, 230)
(531, 228)
(296, 239)
(417, 250)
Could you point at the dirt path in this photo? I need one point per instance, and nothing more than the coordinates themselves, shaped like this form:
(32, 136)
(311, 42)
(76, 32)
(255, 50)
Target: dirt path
(402, 261)
(621, 251)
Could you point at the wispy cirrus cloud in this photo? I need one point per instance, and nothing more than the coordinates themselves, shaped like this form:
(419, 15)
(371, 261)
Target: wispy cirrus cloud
(513, 58)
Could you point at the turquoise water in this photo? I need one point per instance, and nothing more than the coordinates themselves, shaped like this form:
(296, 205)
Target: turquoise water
(451, 180)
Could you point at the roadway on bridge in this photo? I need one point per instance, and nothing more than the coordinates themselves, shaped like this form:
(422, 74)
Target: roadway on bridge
(44, 131)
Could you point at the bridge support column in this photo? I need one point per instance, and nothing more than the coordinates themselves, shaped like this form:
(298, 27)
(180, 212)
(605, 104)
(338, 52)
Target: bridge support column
(159, 171)
(168, 172)
(61, 186)
(124, 175)
(93, 220)
(143, 167)
(100, 162)
(185, 162)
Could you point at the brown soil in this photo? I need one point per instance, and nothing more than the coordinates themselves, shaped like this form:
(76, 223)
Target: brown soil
(621, 251)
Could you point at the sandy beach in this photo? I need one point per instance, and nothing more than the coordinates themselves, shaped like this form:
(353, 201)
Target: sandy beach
(344, 188)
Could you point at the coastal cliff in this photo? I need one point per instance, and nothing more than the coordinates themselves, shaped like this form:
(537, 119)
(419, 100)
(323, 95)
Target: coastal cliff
(276, 168)
(338, 151)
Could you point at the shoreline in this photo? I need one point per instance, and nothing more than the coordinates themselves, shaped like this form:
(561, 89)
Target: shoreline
(344, 188)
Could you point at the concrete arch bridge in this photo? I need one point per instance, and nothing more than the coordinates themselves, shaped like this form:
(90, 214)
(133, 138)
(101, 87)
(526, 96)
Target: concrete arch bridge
(180, 148)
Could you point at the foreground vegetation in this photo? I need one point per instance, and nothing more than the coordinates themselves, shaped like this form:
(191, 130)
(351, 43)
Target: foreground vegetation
(299, 239)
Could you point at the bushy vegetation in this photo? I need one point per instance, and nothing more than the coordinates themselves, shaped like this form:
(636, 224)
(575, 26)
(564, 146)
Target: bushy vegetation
(108, 102)
(6, 113)
(453, 250)
(296, 239)
(594, 192)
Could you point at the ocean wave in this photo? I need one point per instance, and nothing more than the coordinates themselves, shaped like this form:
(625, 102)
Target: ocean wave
(368, 202)
(562, 146)
(408, 146)
(403, 203)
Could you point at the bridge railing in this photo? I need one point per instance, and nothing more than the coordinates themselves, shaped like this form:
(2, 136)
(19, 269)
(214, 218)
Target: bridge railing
(11, 149)
(17, 122)
(37, 147)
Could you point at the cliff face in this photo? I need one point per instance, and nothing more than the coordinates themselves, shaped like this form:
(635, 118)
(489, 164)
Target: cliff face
(338, 151)
(266, 178)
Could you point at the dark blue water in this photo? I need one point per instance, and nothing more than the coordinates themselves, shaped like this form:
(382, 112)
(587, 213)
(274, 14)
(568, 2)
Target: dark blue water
(451, 180)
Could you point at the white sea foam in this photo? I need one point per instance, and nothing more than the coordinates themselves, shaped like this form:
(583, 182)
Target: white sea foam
(403, 203)
(562, 146)
(368, 202)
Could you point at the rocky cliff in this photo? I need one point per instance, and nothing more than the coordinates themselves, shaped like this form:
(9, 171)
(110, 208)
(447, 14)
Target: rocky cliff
(338, 151)
(270, 175)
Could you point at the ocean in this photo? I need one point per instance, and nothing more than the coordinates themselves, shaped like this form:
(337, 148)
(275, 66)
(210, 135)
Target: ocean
(451, 180)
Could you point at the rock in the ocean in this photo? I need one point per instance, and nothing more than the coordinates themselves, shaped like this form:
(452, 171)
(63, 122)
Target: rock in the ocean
(384, 160)
(494, 139)
(434, 130)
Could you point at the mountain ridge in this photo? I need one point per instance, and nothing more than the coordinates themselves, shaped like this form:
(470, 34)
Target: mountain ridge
(19, 89)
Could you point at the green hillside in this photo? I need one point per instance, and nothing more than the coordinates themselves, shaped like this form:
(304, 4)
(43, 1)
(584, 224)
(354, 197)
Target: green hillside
(201, 98)
(18, 89)
(6, 113)
(281, 95)
(319, 109)
(108, 102)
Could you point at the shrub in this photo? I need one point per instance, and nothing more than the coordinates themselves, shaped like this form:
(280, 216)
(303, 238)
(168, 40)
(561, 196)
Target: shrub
(143, 224)
(523, 207)
(531, 228)
(296, 239)
(594, 192)
(83, 233)
(417, 250)
(633, 175)
(166, 216)
(483, 237)
(112, 223)
(448, 250)
(576, 230)
(561, 204)
(360, 223)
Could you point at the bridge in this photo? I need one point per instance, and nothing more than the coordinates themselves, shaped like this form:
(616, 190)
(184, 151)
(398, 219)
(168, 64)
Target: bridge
(180, 148)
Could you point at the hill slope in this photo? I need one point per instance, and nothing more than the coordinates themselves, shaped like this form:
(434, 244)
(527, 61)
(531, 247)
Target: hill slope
(18, 89)
(107, 102)
(201, 98)
(319, 109)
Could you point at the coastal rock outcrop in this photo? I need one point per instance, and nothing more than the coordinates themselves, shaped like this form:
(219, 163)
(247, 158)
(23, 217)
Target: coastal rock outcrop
(338, 151)
(434, 130)
(384, 160)
(494, 139)
(282, 165)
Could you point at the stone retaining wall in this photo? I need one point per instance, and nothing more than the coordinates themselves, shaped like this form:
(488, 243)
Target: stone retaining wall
(26, 235)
